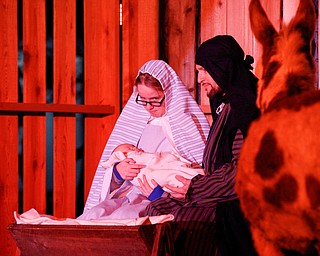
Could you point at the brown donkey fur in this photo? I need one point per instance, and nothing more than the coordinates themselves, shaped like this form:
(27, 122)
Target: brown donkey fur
(278, 179)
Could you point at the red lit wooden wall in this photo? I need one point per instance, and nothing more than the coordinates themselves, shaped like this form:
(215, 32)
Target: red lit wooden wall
(151, 29)
(9, 123)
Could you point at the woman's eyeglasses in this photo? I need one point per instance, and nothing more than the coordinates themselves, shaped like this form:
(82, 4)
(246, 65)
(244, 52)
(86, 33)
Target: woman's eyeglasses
(152, 103)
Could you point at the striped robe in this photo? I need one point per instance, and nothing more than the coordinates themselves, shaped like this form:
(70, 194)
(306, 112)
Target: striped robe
(205, 190)
(195, 229)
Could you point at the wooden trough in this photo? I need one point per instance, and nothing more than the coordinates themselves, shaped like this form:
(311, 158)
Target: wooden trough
(33, 240)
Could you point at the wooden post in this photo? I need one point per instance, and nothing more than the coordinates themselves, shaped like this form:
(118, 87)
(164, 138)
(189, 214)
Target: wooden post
(102, 79)
(34, 91)
(9, 124)
(64, 159)
(140, 39)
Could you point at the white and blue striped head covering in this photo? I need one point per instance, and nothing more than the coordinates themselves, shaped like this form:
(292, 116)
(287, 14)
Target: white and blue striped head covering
(188, 124)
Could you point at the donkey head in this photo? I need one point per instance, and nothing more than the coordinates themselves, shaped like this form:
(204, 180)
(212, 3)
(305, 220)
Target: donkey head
(287, 64)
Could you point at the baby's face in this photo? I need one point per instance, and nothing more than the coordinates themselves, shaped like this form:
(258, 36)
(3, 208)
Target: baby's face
(125, 148)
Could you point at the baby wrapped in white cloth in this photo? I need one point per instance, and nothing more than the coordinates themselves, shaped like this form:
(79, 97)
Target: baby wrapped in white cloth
(160, 166)
(121, 203)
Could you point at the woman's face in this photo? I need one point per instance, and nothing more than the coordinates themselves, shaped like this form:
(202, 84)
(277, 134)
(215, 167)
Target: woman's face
(150, 94)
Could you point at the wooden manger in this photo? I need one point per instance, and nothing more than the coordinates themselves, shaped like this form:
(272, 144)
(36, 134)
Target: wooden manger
(77, 240)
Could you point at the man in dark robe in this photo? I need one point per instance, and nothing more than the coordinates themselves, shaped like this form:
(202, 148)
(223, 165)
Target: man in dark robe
(208, 219)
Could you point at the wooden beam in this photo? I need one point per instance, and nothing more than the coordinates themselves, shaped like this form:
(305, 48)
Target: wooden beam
(64, 109)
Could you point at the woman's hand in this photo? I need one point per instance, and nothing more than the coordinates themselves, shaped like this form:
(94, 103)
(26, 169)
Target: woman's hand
(128, 169)
(145, 187)
(181, 191)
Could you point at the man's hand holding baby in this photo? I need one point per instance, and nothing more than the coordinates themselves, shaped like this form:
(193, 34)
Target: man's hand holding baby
(157, 191)
(179, 192)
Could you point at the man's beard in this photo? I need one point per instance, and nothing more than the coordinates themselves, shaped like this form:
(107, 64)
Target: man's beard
(213, 92)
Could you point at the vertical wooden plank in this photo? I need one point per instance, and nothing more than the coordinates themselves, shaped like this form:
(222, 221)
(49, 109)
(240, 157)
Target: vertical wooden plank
(181, 39)
(9, 124)
(213, 21)
(238, 25)
(34, 90)
(140, 39)
(102, 80)
(236, 19)
(64, 84)
(238, 22)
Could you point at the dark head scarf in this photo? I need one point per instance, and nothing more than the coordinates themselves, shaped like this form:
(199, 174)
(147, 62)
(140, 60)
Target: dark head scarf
(223, 58)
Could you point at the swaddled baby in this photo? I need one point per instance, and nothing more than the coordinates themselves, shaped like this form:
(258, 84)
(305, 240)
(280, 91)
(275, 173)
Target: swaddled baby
(121, 203)
(160, 166)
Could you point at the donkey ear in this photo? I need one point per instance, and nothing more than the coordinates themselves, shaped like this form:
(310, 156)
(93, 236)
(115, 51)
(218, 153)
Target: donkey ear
(261, 26)
(304, 20)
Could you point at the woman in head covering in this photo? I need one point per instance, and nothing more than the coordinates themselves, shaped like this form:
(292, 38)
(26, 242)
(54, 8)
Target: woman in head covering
(160, 116)
(225, 74)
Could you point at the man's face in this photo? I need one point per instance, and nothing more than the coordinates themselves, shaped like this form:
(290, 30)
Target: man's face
(207, 82)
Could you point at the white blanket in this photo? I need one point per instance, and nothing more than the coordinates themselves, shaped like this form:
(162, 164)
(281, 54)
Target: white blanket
(128, 202)
(33, 217)
(160, 166)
